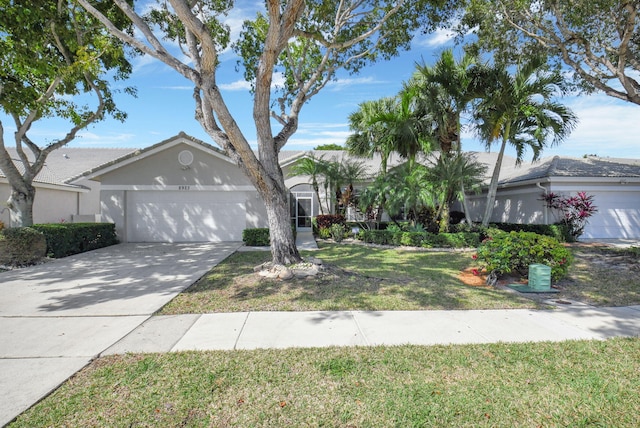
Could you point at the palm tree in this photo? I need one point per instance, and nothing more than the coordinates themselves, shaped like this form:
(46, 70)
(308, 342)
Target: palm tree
(370, 134)
(449, 176)
(349, 173)
(312, 167)
(445, 91)
(519, 109)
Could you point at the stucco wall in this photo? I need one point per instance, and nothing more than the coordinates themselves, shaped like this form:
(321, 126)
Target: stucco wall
(256, 211)
(163, 168)
(112, 206)
(513, 205)
(50, 205)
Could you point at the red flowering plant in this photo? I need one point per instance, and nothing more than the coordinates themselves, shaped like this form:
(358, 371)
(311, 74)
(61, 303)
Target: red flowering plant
(574, 210)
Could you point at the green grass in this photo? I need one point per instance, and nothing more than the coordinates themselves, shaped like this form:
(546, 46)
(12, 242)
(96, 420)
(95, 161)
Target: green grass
(368, 279)
(577, 384)
(604, 276)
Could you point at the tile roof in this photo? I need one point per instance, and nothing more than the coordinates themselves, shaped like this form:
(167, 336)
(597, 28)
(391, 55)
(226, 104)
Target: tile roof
(67, 162)
(591, 167)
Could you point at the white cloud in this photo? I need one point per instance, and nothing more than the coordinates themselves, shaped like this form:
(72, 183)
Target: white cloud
(342, 83)
(606, 127)
(310, 135)
(86, 138)
(238, 85)
(440, 37)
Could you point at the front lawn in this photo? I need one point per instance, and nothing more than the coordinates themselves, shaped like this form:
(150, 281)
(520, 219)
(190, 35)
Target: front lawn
(576, 383)
(358, 278)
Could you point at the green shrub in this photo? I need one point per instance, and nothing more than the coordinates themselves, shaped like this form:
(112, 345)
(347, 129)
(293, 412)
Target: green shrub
(395, 236)
(327, 220)
(21, 246)
(337, 232)
(256, 237)
(381, 237)
(515, 251)
(324, 233)
(65, 239)
(561, 232)
(411, 239)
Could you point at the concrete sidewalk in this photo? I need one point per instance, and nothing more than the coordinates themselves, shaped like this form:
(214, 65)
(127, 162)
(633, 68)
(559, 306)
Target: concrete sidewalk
(252, 330)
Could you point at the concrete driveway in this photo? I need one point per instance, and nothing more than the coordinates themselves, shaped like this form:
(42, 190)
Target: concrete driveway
(56, 317)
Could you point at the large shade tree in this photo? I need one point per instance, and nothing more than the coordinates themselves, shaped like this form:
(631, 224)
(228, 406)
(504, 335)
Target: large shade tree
(306, 42)
(597, 40)
(55, 62)
(520, 109)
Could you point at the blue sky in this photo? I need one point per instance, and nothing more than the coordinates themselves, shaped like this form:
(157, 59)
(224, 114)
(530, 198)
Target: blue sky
(164, 107)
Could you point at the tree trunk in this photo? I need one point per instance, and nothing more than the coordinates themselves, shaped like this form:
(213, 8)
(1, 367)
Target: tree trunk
(20, 205)
(444, 218)
(283, 244)
(493, 185)
(465, 205)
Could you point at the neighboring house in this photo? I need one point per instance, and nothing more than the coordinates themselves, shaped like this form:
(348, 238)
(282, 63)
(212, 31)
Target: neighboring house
(183, 189)
(614, 183)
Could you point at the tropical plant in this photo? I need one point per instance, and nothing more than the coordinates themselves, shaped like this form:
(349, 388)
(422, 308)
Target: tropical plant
(314, 168)
(448, 176)
(370, 133)
(444, 92)
(575, 210)
(520, 110)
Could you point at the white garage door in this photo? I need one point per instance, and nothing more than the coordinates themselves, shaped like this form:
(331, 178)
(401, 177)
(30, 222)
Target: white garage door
(618, 216)
(168, 216)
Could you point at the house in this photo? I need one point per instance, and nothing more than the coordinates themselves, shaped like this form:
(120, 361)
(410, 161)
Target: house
(614, 183)
(182, 189)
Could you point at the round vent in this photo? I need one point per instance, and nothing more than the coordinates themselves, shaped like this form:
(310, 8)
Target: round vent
(185, 158)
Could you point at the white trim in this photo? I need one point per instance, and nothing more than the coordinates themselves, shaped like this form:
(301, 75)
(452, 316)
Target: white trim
(61, 187)
(181, 187)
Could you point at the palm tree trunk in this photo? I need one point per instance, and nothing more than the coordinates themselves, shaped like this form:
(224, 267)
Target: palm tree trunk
(493, 185)
(465, 206)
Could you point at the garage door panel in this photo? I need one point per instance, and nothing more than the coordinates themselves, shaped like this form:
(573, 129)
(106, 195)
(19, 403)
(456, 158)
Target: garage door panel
(618, 216)
(185, 217)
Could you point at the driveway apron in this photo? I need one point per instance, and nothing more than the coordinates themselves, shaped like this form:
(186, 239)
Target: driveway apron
(56, 317)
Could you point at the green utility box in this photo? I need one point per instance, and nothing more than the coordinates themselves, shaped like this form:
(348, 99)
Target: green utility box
(539, 280)
(540, 277)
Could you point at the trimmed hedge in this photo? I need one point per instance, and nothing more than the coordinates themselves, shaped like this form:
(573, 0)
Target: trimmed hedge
(259, 236)
(21, 246)
(421, 239)
(558, 231)
(256, 237)
(66, 239)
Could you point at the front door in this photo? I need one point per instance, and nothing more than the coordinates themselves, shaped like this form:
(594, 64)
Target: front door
(302, 209)
(303, 212)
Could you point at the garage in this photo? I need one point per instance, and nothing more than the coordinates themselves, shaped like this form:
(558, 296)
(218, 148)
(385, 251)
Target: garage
(618, 216)
(185, 216)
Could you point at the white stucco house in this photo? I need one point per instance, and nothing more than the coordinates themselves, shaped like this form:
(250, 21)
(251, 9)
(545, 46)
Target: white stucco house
(182, 189)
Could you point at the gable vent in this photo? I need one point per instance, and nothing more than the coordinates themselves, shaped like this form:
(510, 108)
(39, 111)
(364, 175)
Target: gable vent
(185, 158)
